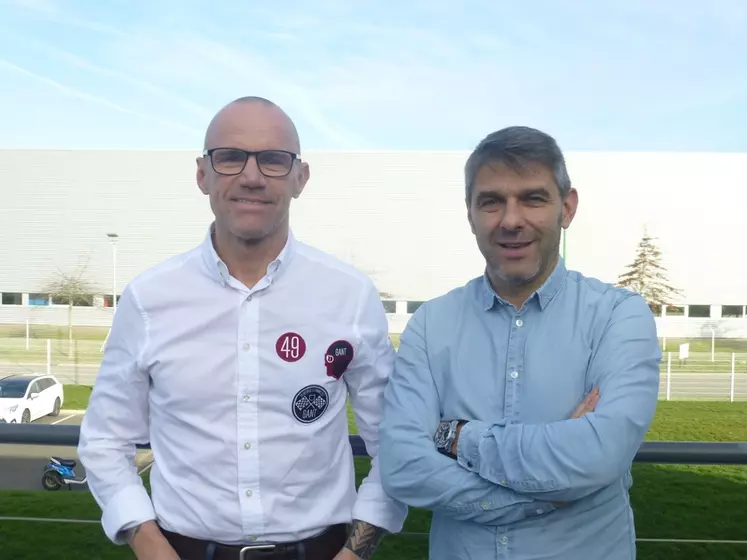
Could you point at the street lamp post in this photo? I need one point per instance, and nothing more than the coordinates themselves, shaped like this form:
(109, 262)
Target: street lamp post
(113, 237)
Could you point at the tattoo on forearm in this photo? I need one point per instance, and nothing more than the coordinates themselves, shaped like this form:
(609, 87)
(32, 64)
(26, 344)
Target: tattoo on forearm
(364, 538)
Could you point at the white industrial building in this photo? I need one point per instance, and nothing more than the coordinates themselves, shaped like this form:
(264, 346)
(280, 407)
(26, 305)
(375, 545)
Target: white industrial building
(398, 215)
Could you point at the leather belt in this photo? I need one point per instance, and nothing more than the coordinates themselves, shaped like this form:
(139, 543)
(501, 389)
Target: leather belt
(324, 546)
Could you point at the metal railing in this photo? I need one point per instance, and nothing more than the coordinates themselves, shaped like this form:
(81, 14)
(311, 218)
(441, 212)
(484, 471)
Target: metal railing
(662, 452)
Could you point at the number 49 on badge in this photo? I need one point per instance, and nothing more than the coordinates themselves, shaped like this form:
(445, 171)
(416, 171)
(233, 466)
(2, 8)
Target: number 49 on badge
(291, 347)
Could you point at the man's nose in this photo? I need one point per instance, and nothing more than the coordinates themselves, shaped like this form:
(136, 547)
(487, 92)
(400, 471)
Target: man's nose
(251, 175)
(513, 215)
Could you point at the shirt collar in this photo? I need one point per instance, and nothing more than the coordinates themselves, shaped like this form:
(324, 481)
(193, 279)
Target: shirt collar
(218, 269)
(544, 293)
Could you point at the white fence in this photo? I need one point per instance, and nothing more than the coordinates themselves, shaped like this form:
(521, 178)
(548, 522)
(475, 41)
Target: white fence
(704, 376)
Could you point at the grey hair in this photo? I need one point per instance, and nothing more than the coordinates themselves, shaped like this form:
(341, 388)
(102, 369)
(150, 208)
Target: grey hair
(515, 147)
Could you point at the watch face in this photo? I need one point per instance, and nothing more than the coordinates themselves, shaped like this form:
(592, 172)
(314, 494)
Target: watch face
(442, 434)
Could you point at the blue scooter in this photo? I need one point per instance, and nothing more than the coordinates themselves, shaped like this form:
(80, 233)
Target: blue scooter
(59, 472)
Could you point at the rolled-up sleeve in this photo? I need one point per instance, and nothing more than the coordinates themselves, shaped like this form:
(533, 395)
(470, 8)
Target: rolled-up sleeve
(412, 469)
(116, 420)
(366, 383)
(570, 459)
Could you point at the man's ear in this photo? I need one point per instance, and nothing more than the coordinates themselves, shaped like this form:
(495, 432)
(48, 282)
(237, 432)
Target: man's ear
(200, 175)
(303, 177)
(570, 205)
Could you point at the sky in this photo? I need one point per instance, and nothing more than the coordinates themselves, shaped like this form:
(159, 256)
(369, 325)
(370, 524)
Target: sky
(598, 75)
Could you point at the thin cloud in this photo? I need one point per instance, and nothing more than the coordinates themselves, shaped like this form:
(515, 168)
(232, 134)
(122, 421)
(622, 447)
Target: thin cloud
(81, 63)
(198, 63)
(83, 96)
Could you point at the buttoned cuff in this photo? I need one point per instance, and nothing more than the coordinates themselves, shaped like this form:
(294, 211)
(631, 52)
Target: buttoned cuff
(129, 507)
(386, 514)
(468, 445)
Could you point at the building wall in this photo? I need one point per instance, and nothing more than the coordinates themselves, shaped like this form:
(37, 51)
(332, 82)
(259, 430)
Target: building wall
(399, 216)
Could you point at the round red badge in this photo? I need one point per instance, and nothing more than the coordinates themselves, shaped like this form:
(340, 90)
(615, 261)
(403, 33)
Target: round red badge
(337, 358)
(290, 347)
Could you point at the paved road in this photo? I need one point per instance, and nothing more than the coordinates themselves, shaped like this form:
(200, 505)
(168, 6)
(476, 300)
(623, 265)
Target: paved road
(21, 466)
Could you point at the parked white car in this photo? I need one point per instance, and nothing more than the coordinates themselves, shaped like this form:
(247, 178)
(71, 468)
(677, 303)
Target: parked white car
(28, 397)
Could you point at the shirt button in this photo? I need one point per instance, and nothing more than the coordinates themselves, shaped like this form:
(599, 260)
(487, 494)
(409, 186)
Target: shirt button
(248, 492)
(246, 398)
(247, 346)
(484, 505)
(504, 539)
(514, 374)
(247, 445)
(519, 323)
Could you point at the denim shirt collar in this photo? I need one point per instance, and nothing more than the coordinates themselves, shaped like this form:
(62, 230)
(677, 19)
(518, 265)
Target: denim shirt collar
(544, 294)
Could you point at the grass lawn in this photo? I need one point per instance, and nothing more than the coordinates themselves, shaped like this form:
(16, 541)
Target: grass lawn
(726, 345)
(670, 501)
(76, 397)
(54, 332)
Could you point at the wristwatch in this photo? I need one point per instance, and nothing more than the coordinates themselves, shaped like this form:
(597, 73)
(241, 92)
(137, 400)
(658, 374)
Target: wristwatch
(445, 436)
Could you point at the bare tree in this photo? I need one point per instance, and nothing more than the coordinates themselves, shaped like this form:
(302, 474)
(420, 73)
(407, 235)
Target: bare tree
(72, 289)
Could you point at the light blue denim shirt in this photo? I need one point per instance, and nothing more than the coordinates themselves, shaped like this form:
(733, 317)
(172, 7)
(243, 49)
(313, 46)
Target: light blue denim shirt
(517, 376)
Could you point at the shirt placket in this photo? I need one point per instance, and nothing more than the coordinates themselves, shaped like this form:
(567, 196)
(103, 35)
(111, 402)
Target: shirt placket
(514, 365)
(512, 396)
(247, 416)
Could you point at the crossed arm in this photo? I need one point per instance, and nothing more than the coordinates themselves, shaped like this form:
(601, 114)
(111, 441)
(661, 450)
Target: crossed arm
(412, 470)
(521, 469)
(573, 458)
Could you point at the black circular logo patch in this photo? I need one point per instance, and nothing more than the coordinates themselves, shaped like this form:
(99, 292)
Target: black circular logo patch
(310, 403)
(337, 358)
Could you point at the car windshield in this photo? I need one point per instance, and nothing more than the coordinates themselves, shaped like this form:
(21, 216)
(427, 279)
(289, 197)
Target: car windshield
(13, 388)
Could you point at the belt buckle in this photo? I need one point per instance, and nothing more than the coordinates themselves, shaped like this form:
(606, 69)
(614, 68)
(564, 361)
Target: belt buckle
(244, 550)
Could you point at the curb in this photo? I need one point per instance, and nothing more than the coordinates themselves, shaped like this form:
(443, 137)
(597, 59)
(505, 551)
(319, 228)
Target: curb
(71, 411)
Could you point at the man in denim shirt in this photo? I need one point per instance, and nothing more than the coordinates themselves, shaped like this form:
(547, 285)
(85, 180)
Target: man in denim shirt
(479, 423)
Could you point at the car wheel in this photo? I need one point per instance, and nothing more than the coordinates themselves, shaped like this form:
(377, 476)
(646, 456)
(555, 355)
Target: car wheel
(56, 410)
(26, 417)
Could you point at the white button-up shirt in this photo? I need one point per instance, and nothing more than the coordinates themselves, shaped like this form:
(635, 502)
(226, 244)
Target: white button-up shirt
(242, 395)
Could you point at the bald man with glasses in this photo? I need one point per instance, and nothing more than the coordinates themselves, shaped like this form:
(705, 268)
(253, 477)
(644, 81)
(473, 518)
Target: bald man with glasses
(235, 361)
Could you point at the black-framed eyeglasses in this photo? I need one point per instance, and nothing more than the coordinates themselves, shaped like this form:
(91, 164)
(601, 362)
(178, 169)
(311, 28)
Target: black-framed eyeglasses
(232, 161)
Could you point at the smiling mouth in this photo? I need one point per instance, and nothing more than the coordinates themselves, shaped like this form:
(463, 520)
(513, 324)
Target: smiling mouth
(249, 201)
(515, 245)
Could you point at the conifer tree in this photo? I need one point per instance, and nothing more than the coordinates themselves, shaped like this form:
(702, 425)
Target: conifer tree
(647, 276)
